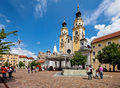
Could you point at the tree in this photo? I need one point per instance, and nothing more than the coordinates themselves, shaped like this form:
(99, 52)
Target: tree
(34, 63)
(79, 59)
(110, 55)
(5, 46)
(7, 64)
(21, 64)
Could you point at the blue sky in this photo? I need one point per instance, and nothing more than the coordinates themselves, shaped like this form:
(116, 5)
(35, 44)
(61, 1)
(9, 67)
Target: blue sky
(39, 21)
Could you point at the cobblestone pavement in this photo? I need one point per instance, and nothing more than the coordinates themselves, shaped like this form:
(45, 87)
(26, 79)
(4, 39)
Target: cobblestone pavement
(46, 79)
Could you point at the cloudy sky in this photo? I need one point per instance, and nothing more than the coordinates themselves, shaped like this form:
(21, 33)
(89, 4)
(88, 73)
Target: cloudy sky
(39, 21)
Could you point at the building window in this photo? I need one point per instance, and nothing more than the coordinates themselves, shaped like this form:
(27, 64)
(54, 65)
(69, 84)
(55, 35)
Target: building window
(82, 43)
(109, 43)
(99, 45)
(93, 46)
(93, 52)
(68, 40)
(93, 59)
(76, 33)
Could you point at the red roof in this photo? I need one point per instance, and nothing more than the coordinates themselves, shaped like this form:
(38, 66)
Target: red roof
(22, 56)
(115, 34)
(30, 58)
(41, 61)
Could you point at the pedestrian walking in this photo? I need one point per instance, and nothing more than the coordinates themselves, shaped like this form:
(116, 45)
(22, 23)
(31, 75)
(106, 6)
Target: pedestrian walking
(4, 71)
(101, 72)
(10, 70)
(32, 69)
(89, 72)
(28, 69)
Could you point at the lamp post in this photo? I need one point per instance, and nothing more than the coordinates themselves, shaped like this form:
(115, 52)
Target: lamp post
(19, 41)
(8, 58)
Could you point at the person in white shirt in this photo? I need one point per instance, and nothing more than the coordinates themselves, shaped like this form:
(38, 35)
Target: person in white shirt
(89, 72)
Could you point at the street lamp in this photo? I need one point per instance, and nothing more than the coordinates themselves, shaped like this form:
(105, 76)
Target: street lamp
(19, 41)
(8, 54)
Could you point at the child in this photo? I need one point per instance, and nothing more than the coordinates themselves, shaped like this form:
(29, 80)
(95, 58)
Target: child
(97, 74)
(28, 69)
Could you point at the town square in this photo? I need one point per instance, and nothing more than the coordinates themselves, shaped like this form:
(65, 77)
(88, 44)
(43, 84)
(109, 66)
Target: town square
(59, 44)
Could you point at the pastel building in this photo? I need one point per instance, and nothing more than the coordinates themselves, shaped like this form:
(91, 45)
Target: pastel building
(99, 43)
(12, 59)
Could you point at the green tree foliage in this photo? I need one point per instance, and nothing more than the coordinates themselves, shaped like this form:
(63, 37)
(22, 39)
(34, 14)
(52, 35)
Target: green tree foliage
(110, 55)
(5, 46)
(21, 64)
(79, 59)
(7, 64)
(34, 63)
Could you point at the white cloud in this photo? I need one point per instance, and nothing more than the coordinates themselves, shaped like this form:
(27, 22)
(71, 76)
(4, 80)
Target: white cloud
(5, 18)
(54, 0)
(23, 52)
(112, 11)
(22, 6)
(100, 27)
(38, 43)
(95, 15)
(107, 29)
(2, 26)
(40, 7)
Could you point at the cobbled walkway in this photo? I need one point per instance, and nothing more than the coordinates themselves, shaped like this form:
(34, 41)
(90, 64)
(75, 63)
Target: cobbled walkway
(46, 79)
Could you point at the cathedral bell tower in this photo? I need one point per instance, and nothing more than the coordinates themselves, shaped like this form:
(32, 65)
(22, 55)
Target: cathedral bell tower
(78, 31)
(63, 36)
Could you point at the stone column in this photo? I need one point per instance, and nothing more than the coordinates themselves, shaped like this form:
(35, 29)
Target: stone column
(60, 64)
(65, 62)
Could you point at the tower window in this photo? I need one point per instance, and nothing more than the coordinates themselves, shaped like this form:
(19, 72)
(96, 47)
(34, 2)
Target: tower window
(68, 40)
(62, 40)
(93, 59)
(93, 52)
(76, 33)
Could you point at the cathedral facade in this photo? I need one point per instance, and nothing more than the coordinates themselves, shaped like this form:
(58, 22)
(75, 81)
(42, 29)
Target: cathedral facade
(67, 45)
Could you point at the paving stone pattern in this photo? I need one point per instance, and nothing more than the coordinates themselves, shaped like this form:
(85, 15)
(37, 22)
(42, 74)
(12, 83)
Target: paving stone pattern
(46, 79)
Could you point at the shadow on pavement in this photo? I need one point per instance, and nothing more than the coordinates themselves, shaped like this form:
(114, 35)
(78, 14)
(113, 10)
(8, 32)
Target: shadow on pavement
(85, 78)
(6, 80)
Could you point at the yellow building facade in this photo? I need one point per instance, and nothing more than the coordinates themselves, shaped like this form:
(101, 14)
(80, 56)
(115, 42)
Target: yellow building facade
(12, 59)
(99, 43)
